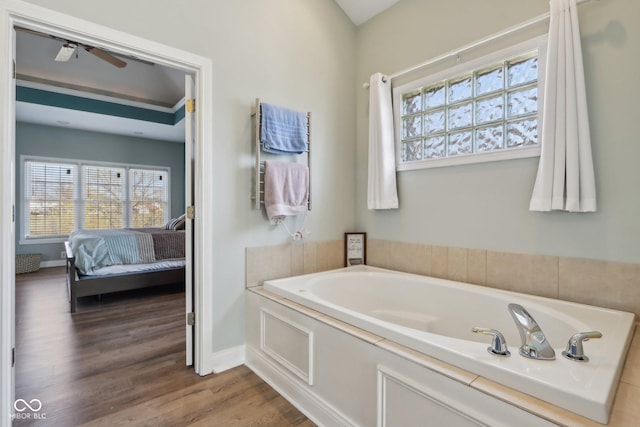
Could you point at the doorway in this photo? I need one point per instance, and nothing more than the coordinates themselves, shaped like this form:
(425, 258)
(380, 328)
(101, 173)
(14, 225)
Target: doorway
(41, 19)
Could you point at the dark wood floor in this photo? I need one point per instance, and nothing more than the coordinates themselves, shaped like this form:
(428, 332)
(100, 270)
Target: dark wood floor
(120, 361)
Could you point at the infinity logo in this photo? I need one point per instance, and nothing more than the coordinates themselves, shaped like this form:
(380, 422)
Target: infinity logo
(22, 405)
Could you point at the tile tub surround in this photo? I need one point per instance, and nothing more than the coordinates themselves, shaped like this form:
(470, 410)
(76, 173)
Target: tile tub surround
(602, 283)
(291, 259)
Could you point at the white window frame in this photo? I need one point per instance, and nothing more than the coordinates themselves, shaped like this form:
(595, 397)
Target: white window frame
(79, 196)
(538, 44)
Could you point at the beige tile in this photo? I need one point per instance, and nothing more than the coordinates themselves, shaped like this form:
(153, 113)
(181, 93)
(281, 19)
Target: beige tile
(299, 308)
(329, 255)
(263, 292)
(532, 405)
(378, 253)
(336, 255)
(349, 329)
(439, 261)
(267, 262)
(477, 266)
(631, 370)
(322, 254)
(602, 283)
(310, 265)
(428, 362)
(457, 264)
(410, 257)
(252, 266)
(279, 261)
(626, 408)
(297, 258)
(529, 274)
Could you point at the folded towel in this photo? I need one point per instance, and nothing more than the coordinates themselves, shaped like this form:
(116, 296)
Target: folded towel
(286, 189)
(283, 131)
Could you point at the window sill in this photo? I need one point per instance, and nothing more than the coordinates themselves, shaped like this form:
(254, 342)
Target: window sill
(42, 241)
(465, 159)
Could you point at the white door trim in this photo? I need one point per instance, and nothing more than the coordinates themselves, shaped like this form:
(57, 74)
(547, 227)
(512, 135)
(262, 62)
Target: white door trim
(15, 12)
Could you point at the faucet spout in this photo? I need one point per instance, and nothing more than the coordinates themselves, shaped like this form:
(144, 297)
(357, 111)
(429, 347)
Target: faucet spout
(534, 343)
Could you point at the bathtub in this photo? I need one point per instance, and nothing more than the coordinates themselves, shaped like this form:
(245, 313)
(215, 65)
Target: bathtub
(436, 317)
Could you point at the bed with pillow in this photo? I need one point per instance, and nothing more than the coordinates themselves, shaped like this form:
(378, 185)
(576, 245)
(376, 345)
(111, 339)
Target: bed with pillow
(114, 260)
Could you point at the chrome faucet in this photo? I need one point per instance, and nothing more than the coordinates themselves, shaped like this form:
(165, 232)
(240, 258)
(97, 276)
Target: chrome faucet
(575, 350)
(534, 343)
(498, 343)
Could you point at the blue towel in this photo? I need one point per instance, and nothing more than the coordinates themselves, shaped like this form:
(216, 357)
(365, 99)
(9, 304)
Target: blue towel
(283, 131)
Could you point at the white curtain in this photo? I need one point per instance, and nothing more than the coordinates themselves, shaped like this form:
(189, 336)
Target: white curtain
(382, 191)
(565, 179)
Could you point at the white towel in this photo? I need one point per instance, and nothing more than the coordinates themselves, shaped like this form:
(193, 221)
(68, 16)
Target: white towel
(286, 189)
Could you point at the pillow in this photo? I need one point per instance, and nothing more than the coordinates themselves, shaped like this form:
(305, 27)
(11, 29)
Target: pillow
(175, 223)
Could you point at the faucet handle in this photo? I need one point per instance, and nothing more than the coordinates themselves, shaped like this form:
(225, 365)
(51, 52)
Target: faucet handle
(575, 350)
(498, 343)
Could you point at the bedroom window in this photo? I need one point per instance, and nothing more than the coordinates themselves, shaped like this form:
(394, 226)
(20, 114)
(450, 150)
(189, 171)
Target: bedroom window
(488, 109)
(61, 196)
(103, 197)
(148, 197)
(49, 199)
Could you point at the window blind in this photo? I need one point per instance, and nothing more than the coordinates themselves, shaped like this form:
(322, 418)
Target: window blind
(50, 198)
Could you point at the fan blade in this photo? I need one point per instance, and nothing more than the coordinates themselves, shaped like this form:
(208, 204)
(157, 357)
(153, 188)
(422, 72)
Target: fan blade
(105, 56)
(66, 52)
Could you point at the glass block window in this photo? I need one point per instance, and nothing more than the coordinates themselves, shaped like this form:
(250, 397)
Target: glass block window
(483, 113)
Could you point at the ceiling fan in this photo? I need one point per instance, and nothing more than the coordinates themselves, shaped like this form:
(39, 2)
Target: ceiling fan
(69, 47)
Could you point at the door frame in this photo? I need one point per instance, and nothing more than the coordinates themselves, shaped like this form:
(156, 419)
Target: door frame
(16, 12)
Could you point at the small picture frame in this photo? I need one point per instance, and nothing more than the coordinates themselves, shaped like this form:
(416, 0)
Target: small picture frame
(355, 249)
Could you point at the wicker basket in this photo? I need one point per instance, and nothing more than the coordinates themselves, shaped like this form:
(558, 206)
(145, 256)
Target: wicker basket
(27, 263)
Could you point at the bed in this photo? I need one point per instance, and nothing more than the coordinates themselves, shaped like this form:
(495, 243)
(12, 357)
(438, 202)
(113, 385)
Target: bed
(105, 261)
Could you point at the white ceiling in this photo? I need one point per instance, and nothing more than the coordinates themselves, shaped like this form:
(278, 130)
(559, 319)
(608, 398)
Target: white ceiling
(140, 83)
(360, 11)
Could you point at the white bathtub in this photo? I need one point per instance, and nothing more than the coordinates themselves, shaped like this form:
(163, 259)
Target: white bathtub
(435, 317)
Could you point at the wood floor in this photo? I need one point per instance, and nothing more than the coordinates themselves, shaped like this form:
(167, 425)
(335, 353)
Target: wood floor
(120, 361)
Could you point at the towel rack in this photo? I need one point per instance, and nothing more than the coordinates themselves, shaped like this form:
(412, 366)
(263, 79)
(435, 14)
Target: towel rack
(258, 179)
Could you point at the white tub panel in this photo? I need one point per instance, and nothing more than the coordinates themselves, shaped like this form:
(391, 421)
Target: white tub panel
(403, 402)
(288, 343)
(346, 369)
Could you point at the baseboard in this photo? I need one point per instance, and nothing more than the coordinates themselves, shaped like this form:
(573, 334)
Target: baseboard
(313, 406)
(227, 359)
(54, 263)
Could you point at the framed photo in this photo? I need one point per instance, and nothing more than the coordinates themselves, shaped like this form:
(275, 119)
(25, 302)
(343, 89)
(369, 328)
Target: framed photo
(355, 249)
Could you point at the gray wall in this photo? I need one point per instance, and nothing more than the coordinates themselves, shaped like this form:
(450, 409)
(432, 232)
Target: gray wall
(486, 205)
(299, 54)
(54, 142)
